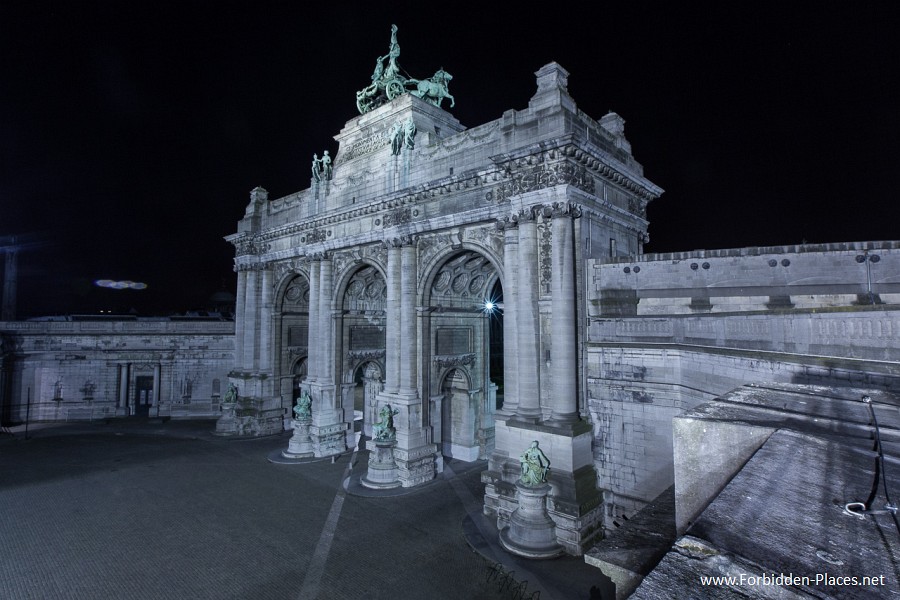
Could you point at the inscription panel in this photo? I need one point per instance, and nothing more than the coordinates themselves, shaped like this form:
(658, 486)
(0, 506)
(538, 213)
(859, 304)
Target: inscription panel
(454, 340)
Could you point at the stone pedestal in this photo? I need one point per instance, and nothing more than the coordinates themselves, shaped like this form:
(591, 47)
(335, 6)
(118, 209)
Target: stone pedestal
(383, 470)
(531, 532)
(300, 445)
(225, 425)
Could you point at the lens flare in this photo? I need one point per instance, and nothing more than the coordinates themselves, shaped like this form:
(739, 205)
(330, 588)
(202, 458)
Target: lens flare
(120, 285)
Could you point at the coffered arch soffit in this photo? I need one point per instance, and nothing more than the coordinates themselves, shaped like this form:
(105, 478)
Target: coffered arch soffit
(293, 294)
(363, 289)
(430, 272)
(464, 277)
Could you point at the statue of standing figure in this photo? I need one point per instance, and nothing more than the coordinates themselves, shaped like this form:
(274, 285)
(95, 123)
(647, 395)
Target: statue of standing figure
(326, 166)
(316, 168)
(393, 53)
(321, 167)
(535, 465)
(409, 133)
(396, 135)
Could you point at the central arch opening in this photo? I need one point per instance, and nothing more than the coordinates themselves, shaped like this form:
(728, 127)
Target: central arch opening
(464, 328)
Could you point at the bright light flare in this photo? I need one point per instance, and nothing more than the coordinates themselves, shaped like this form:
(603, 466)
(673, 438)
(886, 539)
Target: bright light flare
(490, 306)
(120, 285)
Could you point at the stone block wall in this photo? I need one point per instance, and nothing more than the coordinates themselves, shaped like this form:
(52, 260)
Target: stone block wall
(652, 352)
(88, 370)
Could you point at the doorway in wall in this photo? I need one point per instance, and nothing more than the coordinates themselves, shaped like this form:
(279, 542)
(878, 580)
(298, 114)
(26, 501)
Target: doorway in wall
(143, 395)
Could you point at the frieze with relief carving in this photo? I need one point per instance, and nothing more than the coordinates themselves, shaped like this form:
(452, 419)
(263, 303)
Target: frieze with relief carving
(489, 236)
(453, 360)
(539, 172)
(250, 246)
(315, 236)
(399, 216)
(354, 355)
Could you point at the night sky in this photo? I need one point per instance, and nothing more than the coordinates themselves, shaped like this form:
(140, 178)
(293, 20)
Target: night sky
(132, 132)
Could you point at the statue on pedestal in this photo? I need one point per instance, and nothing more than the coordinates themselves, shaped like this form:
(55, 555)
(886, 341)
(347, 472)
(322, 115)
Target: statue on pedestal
(326, 166)
(316, 168)
(303, 410)
(535, 465)
(384, 426)
(231, 395)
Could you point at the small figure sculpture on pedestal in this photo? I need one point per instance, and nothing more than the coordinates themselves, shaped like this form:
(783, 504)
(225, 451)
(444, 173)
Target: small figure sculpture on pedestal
(226, 425)
(326, 166)
(231, 395)
(531, 532)
(383, 471)
(534, 465)
(303, 410)
(300, 445)
(316, 168)
(384, 427)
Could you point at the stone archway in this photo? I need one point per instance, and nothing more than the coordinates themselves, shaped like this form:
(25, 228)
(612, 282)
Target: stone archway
(291, 339)
(362, 340)
(463, 313)
(458, 438)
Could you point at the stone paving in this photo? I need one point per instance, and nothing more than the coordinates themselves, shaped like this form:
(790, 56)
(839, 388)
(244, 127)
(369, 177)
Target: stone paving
(167, 510)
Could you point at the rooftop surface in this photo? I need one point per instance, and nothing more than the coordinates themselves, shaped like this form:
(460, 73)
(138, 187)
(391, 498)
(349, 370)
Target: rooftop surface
(789, 523)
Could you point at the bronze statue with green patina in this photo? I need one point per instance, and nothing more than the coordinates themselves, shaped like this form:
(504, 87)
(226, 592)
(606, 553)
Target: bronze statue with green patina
(303, 410)
(535, 465)
(388, 82)
(383, 429)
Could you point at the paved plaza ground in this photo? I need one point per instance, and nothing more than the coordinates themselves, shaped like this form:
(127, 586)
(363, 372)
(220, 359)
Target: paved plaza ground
(167, 510)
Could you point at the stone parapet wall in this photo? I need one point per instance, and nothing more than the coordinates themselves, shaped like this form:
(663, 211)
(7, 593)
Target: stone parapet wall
(746, 279)
(870, 333)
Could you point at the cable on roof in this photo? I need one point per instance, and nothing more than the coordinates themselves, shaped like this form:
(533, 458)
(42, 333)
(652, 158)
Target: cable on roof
(861, 509)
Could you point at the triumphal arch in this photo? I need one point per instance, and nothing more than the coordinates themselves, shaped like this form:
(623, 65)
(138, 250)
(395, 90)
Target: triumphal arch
(439, 270)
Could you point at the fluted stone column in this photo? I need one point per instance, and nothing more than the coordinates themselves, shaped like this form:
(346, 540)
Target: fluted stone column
(408, 321)
(510, 323)
(392, 334)
(564, 365)
(326, 324)
(239, 318)
(528, 321)
(265, 321)
(251, 322)
(312, 347)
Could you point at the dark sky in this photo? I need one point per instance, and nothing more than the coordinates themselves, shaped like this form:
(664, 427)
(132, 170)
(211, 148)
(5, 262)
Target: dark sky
(132, 132)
